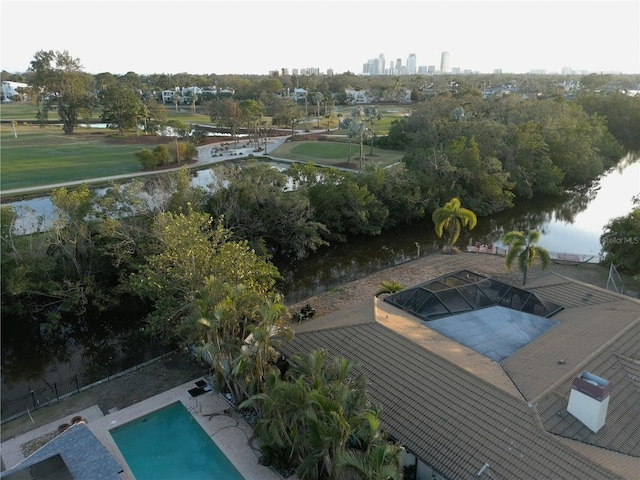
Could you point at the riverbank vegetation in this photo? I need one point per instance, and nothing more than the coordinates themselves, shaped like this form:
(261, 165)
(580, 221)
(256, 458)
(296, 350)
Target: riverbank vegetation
(164, 261)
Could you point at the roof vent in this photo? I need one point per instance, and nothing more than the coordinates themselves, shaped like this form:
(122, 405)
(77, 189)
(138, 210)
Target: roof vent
(589, 400)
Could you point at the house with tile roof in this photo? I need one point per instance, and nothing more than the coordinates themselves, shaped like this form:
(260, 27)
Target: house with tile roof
(499, 407)
(75, 454)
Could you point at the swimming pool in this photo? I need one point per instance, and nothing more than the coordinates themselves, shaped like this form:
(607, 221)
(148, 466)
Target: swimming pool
(168, 444)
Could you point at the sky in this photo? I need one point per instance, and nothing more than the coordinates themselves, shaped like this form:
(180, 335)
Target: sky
(255, 37)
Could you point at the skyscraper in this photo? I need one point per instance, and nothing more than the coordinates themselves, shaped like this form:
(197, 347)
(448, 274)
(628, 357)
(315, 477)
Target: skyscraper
(444, 62)
(381, 64)
(411, 64)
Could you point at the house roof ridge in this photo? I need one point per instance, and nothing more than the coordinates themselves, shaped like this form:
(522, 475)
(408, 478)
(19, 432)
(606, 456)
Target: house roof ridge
(620, 296)
(585, 361)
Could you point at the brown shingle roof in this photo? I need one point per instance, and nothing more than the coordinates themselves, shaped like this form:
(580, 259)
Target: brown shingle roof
(457, 410)
(621, 430)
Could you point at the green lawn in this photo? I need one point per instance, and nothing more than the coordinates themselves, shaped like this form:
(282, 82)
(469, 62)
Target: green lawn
(334, 153)
(10, 111)
(42, 156)
(186, 115)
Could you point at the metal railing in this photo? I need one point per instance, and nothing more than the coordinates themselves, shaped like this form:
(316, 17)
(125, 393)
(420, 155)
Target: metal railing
(52, 393)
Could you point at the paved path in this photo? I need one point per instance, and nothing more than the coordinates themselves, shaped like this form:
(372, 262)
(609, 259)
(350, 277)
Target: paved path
(205, 157)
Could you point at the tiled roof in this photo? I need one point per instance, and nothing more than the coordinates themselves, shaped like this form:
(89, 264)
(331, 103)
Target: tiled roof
(621, 432)
(448, 417)
(85, 457)
(457, 410)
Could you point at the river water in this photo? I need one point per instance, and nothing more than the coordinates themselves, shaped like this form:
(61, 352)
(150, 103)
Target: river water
(572, 224)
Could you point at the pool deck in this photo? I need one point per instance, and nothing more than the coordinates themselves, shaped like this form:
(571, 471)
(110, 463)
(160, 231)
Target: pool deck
(229, 431)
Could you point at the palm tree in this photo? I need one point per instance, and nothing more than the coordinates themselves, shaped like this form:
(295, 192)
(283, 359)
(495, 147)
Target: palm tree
(372, 115)
(310, 419)
(346, 124)
(317, 98)
(392, 286)
(381, 461)
(452, 217)
(523, 247)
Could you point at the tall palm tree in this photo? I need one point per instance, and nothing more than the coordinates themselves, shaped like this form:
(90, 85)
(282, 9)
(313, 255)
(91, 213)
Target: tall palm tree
(523, 246)
(346, 124)
(372, 115)
(452, 217)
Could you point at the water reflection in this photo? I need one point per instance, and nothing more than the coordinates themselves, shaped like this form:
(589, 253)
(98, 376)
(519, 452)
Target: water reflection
(571, 224)
(33, 353)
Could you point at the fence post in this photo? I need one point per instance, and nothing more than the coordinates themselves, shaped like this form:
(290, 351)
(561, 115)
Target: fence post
(33, 400)
(77, 386)
(55, 388)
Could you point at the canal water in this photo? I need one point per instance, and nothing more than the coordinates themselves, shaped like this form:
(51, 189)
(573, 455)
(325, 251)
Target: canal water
(572, 224)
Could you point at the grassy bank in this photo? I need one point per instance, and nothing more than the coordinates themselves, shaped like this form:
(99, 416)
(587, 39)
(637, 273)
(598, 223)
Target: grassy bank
(334, 153)
(42, 156)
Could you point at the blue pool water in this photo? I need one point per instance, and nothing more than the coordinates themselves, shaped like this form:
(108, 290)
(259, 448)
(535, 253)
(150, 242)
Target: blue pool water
(168, 444)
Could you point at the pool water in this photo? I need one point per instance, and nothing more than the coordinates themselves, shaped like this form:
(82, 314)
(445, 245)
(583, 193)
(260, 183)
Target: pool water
(168, 444)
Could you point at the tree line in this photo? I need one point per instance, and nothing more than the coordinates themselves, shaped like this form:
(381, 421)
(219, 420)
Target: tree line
(193, 265)
(58, 83)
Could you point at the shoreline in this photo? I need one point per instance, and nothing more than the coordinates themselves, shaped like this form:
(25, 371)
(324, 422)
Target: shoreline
(434, 265)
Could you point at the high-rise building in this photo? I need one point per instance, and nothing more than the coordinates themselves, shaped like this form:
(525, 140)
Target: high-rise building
(411, 64)
(444, 62)
(398, 67)
(381, 64)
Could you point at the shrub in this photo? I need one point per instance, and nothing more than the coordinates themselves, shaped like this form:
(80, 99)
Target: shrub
(147, 158)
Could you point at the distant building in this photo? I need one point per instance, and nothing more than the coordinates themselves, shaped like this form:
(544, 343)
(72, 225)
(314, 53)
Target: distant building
(10, 90)
(167, 95)
(444, 62)
(411, 64)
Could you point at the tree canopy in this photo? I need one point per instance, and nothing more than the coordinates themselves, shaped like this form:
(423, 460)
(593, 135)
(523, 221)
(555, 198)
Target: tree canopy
(620, 241)
(59, 83)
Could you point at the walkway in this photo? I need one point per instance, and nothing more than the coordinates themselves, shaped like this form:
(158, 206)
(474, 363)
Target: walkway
(229, 431)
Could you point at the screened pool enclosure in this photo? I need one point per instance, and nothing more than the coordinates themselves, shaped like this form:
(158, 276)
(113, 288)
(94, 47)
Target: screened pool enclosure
(485, 314)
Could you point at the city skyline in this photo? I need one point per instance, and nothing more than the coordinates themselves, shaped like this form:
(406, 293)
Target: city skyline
(218, 37)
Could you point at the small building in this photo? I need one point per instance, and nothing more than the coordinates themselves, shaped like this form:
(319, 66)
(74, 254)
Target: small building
(167, 96)
(10, 90)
